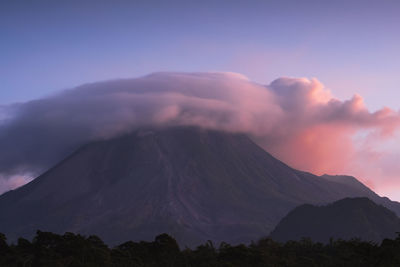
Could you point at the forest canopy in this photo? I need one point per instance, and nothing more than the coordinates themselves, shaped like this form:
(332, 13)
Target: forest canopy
(49, 249)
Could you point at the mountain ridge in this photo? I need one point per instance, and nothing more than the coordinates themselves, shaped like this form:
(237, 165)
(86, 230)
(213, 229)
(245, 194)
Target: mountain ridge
(343, 219)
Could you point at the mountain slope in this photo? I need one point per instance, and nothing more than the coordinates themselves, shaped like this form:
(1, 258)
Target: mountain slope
(345, 219)
(194, 184)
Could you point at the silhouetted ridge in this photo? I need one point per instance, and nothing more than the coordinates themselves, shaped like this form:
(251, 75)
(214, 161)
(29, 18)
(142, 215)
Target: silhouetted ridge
(345, 219)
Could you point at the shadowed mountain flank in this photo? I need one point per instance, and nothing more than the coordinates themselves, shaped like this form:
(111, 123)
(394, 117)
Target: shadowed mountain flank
(344, 219)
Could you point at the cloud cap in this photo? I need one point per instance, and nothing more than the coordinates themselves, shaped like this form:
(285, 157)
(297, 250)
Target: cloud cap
(296, 119)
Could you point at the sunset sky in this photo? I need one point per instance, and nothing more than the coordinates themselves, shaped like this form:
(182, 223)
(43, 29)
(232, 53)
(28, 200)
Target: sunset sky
(351, 48)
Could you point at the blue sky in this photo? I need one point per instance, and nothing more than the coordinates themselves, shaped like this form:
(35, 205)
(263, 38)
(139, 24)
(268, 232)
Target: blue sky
(350, 46)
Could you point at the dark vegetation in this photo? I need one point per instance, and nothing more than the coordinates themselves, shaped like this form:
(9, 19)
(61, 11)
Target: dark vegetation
(48, 249)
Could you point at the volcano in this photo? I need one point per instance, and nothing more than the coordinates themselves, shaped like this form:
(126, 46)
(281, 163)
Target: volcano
(191, 183)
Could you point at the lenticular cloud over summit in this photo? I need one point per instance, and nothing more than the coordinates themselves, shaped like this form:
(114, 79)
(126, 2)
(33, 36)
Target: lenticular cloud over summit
(296, 119)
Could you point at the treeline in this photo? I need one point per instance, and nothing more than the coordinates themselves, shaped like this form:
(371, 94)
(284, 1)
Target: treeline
(48, 249)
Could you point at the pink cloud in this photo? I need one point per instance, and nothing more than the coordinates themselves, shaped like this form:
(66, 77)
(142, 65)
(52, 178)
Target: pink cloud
(14, 181)
(323, 134)
(296, 119)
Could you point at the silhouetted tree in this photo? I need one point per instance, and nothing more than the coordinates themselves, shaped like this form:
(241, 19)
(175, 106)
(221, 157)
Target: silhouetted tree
(48, 249)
